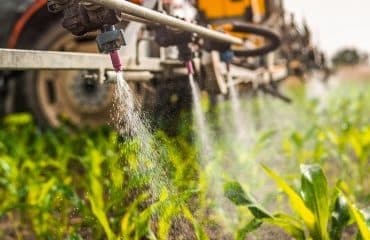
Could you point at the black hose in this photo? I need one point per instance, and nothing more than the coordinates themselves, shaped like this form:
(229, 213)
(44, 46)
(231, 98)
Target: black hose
(273, 39)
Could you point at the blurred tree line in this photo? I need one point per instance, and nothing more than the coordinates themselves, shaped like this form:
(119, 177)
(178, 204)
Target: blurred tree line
(350, 57)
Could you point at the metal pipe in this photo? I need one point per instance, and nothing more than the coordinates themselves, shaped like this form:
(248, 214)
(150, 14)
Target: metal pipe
(14, 59)
(129, 17)
(135, 76)
(157, 17)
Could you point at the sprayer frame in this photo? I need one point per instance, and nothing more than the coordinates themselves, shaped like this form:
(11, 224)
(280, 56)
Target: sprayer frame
(45, 60)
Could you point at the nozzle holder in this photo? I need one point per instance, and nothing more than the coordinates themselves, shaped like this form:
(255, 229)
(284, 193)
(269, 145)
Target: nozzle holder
(226, 54)
(81, 18)
(110, 39)
(167, 37)
(56, 6)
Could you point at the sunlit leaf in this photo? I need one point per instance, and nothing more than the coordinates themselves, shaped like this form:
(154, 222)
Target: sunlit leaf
(363, 227)
(102, 218)
(235, 193)
(200, 233)
(315, 194)
(289, 224)
(248, 228)
(18, 119)
(296, 202)
(340, 217)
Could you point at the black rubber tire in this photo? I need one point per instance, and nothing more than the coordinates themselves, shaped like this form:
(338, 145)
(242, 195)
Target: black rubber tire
(45, 40)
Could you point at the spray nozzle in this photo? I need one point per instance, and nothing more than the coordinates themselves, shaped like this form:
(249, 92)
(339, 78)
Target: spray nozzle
(227, 57)
(189, 67)
(167, 37)
(110, 41)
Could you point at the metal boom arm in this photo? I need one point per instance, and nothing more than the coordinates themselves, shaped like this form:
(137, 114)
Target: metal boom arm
(157, 17)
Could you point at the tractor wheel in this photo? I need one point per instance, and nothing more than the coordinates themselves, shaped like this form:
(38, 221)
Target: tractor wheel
(58, 96)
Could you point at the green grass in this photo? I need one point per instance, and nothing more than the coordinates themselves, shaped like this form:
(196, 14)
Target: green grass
(85, 184)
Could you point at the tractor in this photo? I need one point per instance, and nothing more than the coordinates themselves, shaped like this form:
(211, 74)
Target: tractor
(77, 97)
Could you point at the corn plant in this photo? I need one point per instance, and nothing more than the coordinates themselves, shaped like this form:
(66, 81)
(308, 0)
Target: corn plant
(319, 213)
(336, 136)
(86, 185)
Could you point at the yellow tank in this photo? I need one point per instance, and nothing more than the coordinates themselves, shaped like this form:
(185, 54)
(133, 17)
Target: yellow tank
(220, 9)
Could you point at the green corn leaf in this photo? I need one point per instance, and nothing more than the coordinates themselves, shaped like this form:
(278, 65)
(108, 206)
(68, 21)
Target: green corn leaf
(289, 224)
(18, 119)
(129, 220)
(102, 218)
(46, 189)
(358, 217)
(97, 194)
(340, 218)
(165, 220)
(296, 202)
(248, 228)
(200, 233)
(74, 236)
(297, 139)
(173, 205)
(166, 214)
(235, 193)
(315, 194)
(363, 227)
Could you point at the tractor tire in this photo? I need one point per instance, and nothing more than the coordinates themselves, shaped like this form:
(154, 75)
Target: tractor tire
(55, 97)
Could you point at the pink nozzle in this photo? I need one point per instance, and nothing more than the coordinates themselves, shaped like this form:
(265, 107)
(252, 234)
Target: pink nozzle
(189, 66)
(116, 60)
(228, 67)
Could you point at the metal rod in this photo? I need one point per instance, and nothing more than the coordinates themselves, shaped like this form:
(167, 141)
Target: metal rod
(157, 17)
(129, 17)
(19, 60)
(12, 59)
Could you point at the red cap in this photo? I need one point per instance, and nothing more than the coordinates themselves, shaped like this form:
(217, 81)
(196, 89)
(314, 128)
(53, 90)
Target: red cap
(116, 60)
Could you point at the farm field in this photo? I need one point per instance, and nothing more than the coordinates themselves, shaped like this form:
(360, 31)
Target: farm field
(72, 183)
(184, 120)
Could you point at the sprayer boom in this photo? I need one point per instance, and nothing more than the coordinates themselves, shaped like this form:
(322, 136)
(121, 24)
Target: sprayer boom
(161, 18)
(89, 15)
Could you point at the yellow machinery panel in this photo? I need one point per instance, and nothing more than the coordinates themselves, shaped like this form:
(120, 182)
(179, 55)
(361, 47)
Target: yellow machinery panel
(259, 8)
(218, 9)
